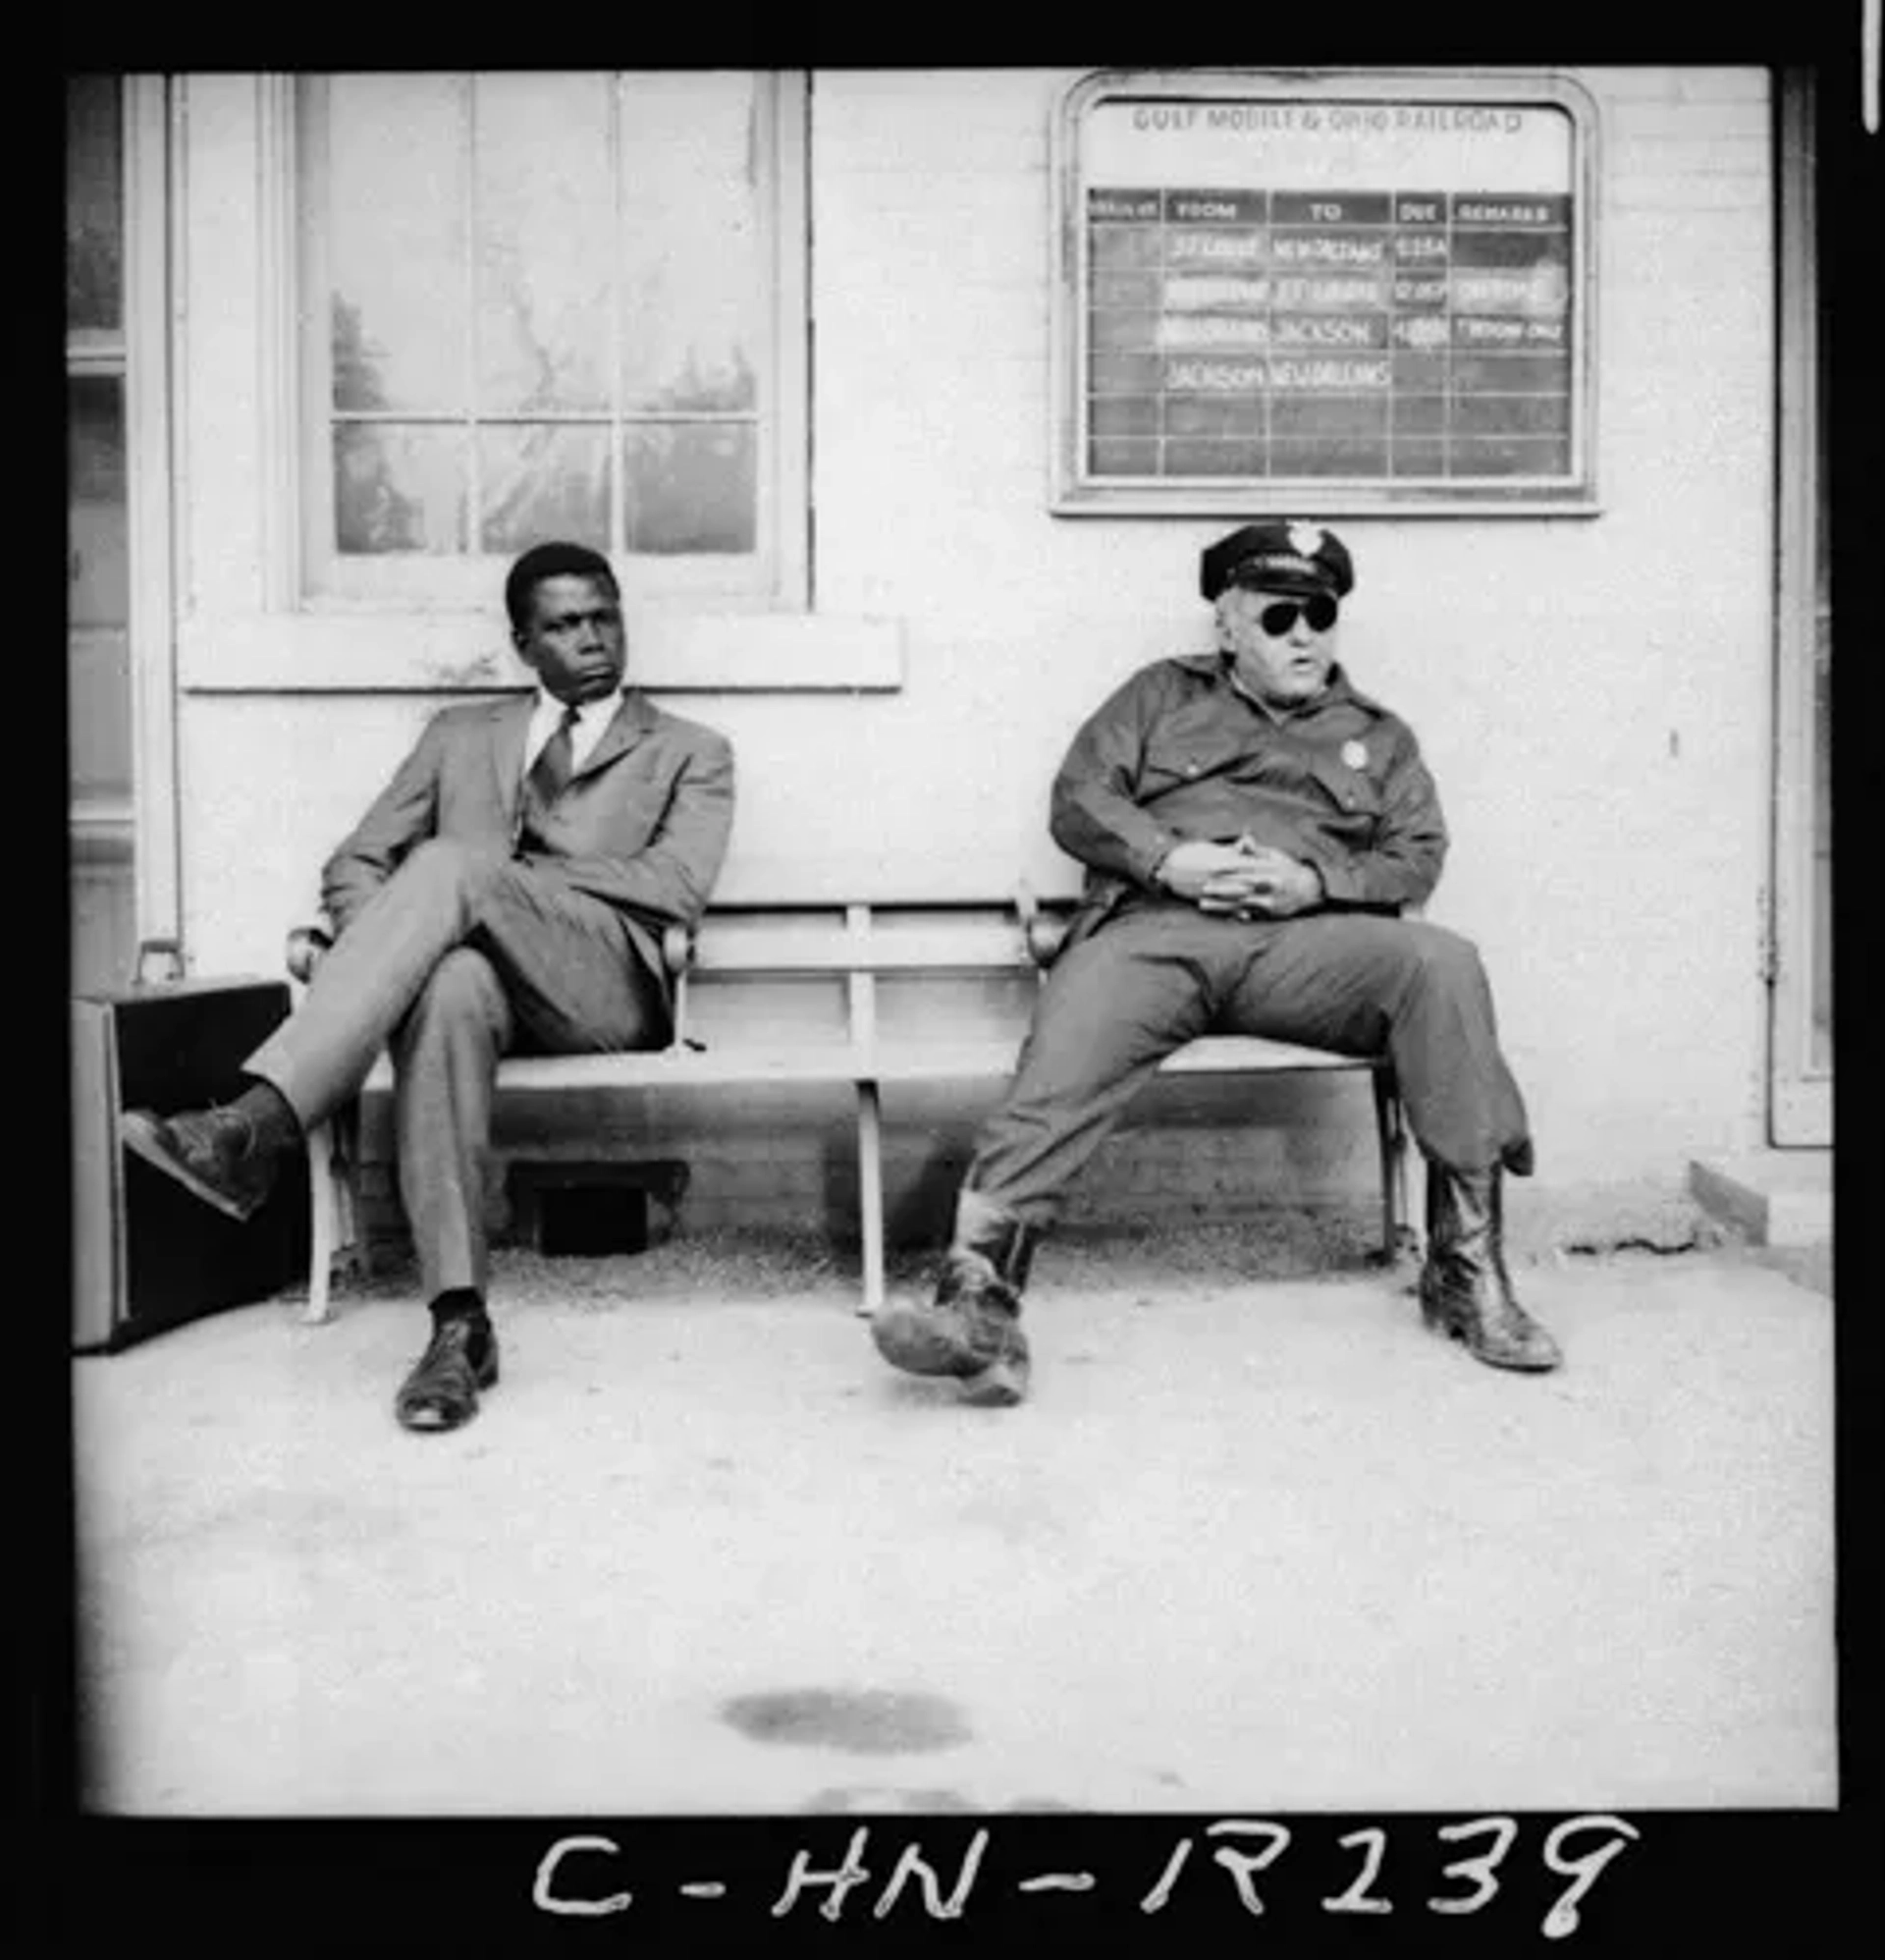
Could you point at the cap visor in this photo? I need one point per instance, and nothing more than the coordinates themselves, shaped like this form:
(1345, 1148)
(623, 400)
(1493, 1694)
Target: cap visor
(1296, 584)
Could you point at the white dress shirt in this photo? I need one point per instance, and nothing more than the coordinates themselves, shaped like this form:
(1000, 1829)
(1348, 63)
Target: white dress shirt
(592, 716)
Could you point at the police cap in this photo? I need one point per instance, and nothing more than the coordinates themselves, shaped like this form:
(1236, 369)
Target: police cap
(1277, 555)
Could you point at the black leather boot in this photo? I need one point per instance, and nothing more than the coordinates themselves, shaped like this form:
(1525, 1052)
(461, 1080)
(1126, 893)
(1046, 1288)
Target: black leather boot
(1466, 1291)
(971, 1328)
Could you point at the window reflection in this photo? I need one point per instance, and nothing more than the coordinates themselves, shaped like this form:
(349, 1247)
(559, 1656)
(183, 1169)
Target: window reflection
(691, 489)
(99, 716)
(97, 530)
(535, 283)
(545, 221)
(98, 647)
(94, 203)
(544, 482)
(399, 488)
(392, 150)
(688, 181)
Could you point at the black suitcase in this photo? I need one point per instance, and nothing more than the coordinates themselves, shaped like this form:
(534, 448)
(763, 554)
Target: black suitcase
(147, 1255)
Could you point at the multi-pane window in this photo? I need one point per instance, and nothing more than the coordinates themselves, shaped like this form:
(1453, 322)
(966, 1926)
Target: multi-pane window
(550, 305)
(97, 538)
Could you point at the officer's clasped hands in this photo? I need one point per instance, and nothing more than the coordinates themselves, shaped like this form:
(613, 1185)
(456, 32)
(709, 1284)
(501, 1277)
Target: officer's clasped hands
(1247, 879)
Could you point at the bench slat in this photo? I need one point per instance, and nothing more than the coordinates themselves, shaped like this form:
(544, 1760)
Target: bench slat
(843, 1062)
(1233, 1053)
(672, 1069)
(834, 950)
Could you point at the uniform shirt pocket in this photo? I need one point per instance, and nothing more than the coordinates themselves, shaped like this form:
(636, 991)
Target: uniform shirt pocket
(1353, 792)
(1206, 751)
(1170, 763)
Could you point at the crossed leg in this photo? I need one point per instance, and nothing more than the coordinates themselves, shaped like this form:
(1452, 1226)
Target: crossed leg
(463, 957)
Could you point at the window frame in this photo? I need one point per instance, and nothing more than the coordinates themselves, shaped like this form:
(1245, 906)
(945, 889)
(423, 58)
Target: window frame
(1076, 492)
(141, 827)
(774, 576)
(244, 622)
(1800, 1072)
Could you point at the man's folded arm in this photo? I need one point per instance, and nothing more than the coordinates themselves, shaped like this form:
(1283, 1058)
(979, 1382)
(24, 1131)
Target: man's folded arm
(404, 814)
(672, 877)
(1092, 812)
(1403, 864)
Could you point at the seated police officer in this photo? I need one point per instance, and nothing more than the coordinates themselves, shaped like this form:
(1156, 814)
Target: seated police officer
(1251, 826)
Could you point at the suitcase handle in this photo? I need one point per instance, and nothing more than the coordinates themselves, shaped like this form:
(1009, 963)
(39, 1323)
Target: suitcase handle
(150, 950)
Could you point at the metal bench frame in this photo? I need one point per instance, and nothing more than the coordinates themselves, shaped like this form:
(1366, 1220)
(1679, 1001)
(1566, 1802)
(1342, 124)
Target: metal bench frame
(858, 951)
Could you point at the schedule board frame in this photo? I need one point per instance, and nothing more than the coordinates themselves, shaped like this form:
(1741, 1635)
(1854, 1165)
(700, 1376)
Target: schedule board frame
(1350, 95)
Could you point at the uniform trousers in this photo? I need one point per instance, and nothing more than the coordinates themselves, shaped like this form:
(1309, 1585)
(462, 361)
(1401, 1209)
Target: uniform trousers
(464, 954)
(1162, 972)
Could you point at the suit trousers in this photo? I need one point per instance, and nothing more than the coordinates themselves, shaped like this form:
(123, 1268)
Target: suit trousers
(1157, 976)
(464, 954)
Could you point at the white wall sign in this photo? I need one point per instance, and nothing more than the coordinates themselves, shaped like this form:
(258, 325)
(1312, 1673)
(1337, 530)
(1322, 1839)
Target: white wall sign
(1376, 288)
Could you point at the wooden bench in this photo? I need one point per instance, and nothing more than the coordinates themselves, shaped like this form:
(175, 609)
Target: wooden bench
(856, 944)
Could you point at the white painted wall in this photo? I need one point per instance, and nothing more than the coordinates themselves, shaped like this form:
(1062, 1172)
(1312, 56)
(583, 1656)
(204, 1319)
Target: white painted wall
(1593, 693)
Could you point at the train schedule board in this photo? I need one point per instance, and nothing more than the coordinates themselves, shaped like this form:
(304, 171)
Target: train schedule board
(1347, 292)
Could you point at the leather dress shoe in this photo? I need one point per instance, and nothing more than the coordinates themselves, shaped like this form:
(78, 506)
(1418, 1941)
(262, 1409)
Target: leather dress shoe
(211, 1152)
(441, 1390)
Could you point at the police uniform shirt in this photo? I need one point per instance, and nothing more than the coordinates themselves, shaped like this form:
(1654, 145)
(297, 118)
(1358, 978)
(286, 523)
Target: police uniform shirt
(1180, 752)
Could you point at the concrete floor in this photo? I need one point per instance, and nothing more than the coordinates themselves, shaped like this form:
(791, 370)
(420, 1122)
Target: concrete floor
(1254, 1541)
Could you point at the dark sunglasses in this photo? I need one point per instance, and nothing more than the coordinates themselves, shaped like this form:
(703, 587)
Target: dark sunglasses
(1280, 618)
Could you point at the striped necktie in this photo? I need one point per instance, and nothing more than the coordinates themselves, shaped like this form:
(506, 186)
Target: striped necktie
(549, 774)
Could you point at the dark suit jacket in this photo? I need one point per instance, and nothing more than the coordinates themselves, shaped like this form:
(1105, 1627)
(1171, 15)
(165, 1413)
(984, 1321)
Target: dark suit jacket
(642, 824)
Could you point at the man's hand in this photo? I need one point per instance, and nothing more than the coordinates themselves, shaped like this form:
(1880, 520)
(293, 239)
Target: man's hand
(1192, 870)
(1274, 885)
(1245, 879)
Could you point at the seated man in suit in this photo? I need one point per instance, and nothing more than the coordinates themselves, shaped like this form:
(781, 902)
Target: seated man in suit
(1251, 825)
(507, 891)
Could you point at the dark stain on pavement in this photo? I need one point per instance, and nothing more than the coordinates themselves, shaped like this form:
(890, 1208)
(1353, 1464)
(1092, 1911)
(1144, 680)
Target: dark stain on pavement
(867, 1798)
(866, 1721)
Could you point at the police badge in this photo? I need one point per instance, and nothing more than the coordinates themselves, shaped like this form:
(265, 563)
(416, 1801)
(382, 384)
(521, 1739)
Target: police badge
(1306, 539)
(1355, 754)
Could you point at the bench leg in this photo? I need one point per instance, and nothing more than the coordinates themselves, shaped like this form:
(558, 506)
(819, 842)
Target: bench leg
(331, 1154)
(346, 1173)
(1391, 1140)
(324, 1205)
(870, 1194)
(1407, 1240)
